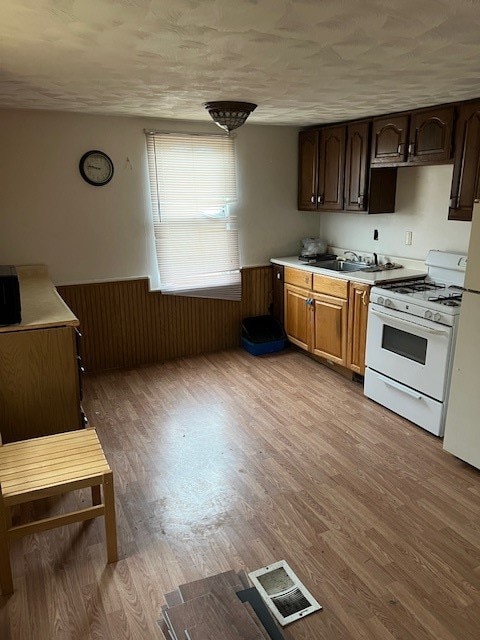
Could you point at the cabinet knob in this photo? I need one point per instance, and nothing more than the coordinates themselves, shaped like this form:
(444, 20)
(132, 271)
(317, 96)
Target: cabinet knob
(411, 149)
(312, 199)
(279, 276)
(400, 148)
(360, 200)
(320, 199)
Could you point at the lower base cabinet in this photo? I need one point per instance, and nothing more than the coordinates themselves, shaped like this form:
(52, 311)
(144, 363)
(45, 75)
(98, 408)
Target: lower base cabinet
(298, 316)
(357, 323)
(329, 335)
(327, 317)
(40, 383)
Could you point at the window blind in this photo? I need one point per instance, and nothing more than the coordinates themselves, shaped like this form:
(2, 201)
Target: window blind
(193, 184)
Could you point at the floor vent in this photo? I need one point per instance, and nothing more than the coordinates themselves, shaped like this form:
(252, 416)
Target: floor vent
(286, 597)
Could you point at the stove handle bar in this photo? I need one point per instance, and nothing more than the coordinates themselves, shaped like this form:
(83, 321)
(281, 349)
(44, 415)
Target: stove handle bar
(407, 323)
(400, 387)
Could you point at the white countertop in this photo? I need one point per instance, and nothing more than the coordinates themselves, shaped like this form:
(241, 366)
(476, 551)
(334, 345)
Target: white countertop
(365, 277)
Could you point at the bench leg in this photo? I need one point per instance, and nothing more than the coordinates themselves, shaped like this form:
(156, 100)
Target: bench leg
(6, 580)
(110, 520)
(96, 495)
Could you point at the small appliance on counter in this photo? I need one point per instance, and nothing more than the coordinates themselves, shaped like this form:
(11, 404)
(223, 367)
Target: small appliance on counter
(10, 306)
(314, 250)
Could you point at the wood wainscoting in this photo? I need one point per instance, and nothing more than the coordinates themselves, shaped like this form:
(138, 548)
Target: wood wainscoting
(125, 325)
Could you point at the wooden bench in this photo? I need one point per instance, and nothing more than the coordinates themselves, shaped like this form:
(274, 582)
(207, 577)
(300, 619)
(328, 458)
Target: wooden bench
(47, 466)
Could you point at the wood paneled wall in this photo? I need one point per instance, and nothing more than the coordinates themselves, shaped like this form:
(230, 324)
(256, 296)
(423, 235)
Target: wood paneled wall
(125, 325)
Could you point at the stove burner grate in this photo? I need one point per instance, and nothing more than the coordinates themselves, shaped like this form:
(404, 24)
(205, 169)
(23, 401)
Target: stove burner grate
(413, 287)
(453, 300)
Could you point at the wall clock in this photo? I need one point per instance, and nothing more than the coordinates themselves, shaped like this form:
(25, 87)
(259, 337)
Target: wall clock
(96, 167)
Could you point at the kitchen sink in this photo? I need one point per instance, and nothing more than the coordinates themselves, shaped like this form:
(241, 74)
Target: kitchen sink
(340, 265)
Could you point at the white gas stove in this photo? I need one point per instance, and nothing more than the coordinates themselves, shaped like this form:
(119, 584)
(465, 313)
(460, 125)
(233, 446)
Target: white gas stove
(437, 297)
(411, 338)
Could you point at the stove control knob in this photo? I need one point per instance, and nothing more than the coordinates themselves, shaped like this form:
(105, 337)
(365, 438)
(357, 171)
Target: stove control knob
(428, 315)
(437, 317)
(388, 303)
(380, 300)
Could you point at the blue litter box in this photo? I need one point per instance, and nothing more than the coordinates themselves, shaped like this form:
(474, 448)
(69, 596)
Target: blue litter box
(262, 334)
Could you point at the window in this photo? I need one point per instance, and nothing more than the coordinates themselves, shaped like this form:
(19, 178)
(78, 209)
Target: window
(192, 184)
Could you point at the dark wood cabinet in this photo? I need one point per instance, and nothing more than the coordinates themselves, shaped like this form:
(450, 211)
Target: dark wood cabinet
(466, 169)
(389, 140)
(430, 137)
(321, 166)
(356, 166)
(307, 170)
(419, 137)
(353, 166)
(334, 171)
(331, 168)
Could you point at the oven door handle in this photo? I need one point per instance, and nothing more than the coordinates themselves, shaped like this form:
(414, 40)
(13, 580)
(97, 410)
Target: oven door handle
(408, 324)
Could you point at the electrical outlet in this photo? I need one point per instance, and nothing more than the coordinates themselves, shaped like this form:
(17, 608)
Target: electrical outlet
(408, 237)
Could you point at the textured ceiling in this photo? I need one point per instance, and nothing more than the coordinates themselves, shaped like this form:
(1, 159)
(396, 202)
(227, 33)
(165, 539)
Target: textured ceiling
(302, 62)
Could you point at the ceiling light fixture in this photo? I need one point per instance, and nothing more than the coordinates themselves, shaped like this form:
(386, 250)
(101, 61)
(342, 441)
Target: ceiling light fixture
(229, 115)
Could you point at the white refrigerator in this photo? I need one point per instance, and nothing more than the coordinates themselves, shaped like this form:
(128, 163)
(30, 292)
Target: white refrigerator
(462, 428)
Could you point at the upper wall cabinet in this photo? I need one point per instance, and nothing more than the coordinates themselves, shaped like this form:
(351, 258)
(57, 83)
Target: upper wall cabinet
(389, 140)
(334, 172)
(430, 139)
(308, 170)
(466, 169)
(356, 166)
(321, 163)
(331, 166)
(421, 137)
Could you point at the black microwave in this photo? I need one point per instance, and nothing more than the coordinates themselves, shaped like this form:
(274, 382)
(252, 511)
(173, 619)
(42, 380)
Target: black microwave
(10, 307)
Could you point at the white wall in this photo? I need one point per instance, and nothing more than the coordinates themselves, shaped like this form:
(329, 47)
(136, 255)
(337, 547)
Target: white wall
(421, 207)
(49, 215)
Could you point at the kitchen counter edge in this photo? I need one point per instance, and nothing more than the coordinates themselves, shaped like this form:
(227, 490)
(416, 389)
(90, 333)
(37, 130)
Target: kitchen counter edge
(372, 277)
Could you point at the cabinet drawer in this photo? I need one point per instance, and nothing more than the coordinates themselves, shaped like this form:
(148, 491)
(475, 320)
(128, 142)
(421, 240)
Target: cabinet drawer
(330, 286)
(298, 277)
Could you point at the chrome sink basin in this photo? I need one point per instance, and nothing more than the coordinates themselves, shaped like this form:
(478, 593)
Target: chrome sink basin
(340, 265)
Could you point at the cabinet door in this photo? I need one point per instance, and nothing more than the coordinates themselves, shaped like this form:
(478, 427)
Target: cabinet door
(466, 168)
(357, 326)
(430, 137)
(389, 140)
(329, 332)
(298, 316)
(307, 170)
(356, 173)
(39, 382)
(331, 168)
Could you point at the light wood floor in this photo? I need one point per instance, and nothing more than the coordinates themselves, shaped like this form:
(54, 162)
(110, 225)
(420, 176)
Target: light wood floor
(231, 461)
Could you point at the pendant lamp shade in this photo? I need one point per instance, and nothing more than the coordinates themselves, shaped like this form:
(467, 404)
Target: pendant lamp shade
(229, 115)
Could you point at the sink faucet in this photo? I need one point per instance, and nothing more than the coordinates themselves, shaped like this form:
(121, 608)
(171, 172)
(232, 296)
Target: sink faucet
(355, 257)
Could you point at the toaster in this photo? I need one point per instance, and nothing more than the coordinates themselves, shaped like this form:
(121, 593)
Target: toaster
(10, 306)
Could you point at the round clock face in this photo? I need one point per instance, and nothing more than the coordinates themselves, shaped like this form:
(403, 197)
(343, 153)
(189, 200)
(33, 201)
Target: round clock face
(96, 168)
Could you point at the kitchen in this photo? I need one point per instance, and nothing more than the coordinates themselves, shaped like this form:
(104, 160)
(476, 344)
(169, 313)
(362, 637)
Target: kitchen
(405, 343)
(374, 515)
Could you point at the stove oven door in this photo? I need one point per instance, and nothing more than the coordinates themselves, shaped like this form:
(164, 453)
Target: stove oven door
(410, 350)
